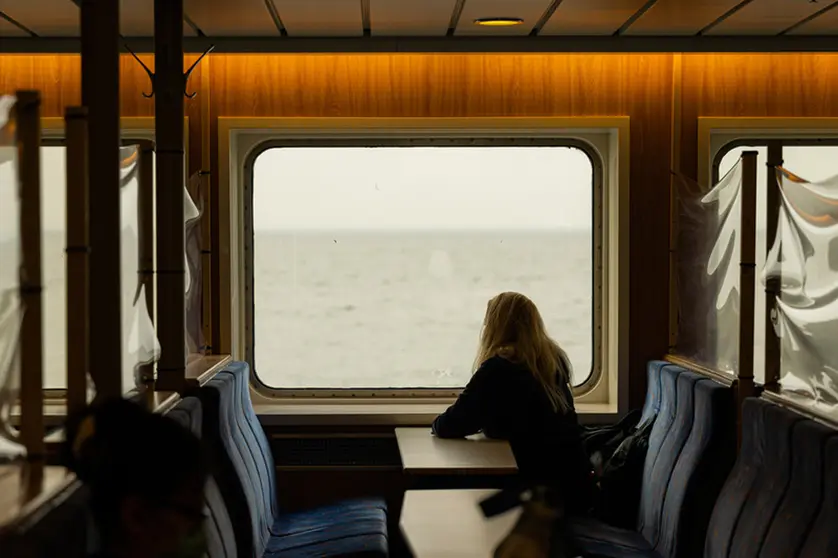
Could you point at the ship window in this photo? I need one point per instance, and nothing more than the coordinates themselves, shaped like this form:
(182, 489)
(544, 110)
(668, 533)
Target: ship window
(371, 267)
(139, 341)
(807, 317)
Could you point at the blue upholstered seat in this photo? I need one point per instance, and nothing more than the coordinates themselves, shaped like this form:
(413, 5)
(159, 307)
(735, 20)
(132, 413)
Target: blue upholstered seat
(221, 542)
(248, 484)
(691, 449)
(781, 499)
(652, 405)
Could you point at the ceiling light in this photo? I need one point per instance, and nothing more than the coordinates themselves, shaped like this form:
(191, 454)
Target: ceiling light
(498, 21)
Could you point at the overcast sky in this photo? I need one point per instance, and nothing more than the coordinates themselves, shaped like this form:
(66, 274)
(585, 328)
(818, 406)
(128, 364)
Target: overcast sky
(417, 187)
(422, 188)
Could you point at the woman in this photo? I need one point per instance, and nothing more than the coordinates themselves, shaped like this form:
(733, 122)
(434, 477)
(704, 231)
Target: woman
(520, 392)
(146, 476)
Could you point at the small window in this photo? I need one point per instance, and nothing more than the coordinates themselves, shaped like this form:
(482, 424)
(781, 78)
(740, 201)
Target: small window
(371, 267)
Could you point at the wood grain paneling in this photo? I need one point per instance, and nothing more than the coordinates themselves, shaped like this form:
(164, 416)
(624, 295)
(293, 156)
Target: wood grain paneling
(431, 85)
(471, 85)
(755, 85)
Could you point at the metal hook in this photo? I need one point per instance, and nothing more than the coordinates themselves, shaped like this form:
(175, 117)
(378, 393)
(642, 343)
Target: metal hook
(149, 72)
(189, 72)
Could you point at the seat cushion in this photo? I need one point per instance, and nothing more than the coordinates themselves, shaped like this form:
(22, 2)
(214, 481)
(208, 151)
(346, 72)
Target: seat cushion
(349, 528)
(593, 538)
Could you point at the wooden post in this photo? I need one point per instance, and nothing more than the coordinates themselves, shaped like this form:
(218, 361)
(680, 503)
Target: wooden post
(31, 335)
(78, 292)
(100, 45)
(674, 206)
(747, 268)
(145, 252)
(773, 289)
(207, 247)
(169, 112)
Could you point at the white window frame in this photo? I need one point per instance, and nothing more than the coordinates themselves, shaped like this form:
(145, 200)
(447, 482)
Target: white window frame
(606, 137)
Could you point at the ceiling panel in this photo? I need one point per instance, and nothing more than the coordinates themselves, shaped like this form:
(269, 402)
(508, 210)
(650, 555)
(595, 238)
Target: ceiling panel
(226, 18)
(528, 10)
(591, 17)
(418, 18)
(47, 18)
(137, 19)
(680, 17)
(824, 24)
(10, 30)
(322, 18)
(766, 17)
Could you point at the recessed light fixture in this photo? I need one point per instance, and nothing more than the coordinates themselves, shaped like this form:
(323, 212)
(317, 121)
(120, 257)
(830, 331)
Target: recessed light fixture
(498, 21)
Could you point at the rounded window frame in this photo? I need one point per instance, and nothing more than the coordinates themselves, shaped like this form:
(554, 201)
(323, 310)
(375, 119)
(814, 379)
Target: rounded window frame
(396, 393)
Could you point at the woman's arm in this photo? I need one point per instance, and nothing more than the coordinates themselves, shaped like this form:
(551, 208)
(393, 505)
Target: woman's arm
(468, 414)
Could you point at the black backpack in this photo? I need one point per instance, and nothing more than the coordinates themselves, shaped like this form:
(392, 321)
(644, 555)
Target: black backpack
(622, 478)
(601, 442)
(618, 454)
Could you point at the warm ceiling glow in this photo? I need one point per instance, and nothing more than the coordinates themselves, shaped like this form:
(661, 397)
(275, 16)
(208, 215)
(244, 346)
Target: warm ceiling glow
(498, 21)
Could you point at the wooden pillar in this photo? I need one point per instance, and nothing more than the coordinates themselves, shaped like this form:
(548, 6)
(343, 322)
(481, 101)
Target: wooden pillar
(78, 291)
(747, 280)
(674, 202)
(28, 117)
(100, 93)
(169, 113)
(145, 252)
(773, 289)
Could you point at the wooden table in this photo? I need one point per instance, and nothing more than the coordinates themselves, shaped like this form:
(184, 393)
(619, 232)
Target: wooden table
(425, 454)
(450, 524)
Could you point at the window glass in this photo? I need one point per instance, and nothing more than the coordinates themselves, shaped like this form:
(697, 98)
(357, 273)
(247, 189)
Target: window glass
(372, 267)
(138, 337)
(54, 267)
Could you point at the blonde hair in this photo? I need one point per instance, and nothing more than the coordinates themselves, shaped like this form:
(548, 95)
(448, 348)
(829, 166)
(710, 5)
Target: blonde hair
(513, 329)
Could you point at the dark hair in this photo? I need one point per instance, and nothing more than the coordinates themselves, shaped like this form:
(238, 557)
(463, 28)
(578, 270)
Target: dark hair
(120, 449)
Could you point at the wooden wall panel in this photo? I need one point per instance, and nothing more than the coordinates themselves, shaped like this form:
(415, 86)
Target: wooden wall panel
(463, 85)
(755, 85)
(435, 85)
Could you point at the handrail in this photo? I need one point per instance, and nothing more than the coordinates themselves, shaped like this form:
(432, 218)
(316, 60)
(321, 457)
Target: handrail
(799, 404)
(726, 379)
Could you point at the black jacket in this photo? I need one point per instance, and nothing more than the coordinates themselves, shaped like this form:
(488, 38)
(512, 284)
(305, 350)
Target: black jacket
(505, 401)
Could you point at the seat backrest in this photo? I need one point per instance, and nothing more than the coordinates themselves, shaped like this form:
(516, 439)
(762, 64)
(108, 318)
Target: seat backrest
(822, 539)
(255, 436)
(221, 542)
(773, 503)
(699, 472)
(652, 405)
(690, 453)
(652, 490)
(237, 474)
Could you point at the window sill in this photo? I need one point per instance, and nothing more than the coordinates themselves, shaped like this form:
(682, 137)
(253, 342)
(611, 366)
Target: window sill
(386, 414)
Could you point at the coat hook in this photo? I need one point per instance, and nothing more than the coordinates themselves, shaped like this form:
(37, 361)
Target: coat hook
(149, 72)
(189, 72)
